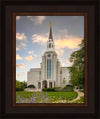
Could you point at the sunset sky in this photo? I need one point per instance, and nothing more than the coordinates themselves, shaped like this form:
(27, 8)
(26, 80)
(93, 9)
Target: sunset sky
(32, 33)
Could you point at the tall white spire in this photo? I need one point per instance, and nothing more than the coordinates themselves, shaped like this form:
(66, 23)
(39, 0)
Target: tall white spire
(50, 42)
(50, 33)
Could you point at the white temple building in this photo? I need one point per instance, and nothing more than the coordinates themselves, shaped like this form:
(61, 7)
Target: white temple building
(50, 74)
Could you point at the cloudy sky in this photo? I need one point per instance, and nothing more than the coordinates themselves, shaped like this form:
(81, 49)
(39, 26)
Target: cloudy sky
(32, 33)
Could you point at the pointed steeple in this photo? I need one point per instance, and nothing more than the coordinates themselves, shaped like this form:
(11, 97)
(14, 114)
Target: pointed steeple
(50, 42)
(50, 34)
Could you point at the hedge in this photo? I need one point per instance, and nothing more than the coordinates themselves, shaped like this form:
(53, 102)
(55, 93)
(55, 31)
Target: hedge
(19, 89)
(69, 86)
(48, 89)
(68, 89)
(57, 88)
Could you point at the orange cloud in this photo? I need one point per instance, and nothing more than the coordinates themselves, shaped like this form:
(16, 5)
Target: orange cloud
(29, 58)
(31, 52)
(70, 42)
(62, 64)
(20, 66)
(21, 40)
(25, 73)
(41, 39)
(17, 17)
(17, 75)
(17, 48)
(59, 51)
(37, 56)
(61, 41)
(20, 36)
(18, 57)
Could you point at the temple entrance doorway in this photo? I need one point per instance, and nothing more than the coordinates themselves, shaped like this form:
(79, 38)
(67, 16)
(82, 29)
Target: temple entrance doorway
(39, 85)
(50, 84)
(44, 84)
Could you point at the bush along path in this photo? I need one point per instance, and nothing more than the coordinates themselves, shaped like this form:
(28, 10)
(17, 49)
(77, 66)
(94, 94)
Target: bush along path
(80, 95)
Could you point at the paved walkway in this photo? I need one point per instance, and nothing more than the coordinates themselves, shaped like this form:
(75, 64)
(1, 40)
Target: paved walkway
(80, 94)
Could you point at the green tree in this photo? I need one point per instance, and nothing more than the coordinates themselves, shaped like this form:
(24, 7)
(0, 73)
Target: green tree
(24, 84)
(77, 68)
(18, 83)
(21, 84)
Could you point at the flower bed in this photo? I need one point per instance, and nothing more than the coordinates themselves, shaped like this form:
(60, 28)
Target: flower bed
(44, 97)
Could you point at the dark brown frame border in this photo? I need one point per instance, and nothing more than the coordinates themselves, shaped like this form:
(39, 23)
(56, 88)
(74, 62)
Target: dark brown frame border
(92, 110)
(14, 57)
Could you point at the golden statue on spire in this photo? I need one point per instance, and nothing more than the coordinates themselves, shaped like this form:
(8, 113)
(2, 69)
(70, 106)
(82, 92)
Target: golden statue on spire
(50, 24)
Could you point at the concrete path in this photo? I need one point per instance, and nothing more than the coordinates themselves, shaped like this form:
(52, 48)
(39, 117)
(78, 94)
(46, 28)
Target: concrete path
(80, 94)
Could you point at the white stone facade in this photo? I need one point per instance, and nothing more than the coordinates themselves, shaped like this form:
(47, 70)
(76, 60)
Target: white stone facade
(50, 74)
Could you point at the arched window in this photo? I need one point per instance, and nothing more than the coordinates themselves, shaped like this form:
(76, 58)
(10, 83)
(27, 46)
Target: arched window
(49, 45)
(48, 68)
(49, 55)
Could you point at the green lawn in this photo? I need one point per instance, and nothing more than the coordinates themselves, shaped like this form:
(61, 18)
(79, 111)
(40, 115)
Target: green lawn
(81, 100)
(44, 97)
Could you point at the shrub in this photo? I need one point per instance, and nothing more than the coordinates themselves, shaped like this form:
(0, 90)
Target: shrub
(48, 89)
(68, 89)
(80, 87)
(21, 84)
(57, 88)
(31, 86)
(69, 86)
(19, 89)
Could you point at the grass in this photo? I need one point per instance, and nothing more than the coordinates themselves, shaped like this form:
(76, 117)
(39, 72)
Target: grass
(44, 97)
(81, 100)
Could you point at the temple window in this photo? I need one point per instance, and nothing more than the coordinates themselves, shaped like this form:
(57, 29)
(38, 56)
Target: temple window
(49, 45)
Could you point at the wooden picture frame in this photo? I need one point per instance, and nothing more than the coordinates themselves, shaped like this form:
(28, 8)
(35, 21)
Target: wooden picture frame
(9, 108)
(85, 14)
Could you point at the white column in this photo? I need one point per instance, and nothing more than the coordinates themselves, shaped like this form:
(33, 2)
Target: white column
(52, 84)
(47, 84)
(41, 84)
